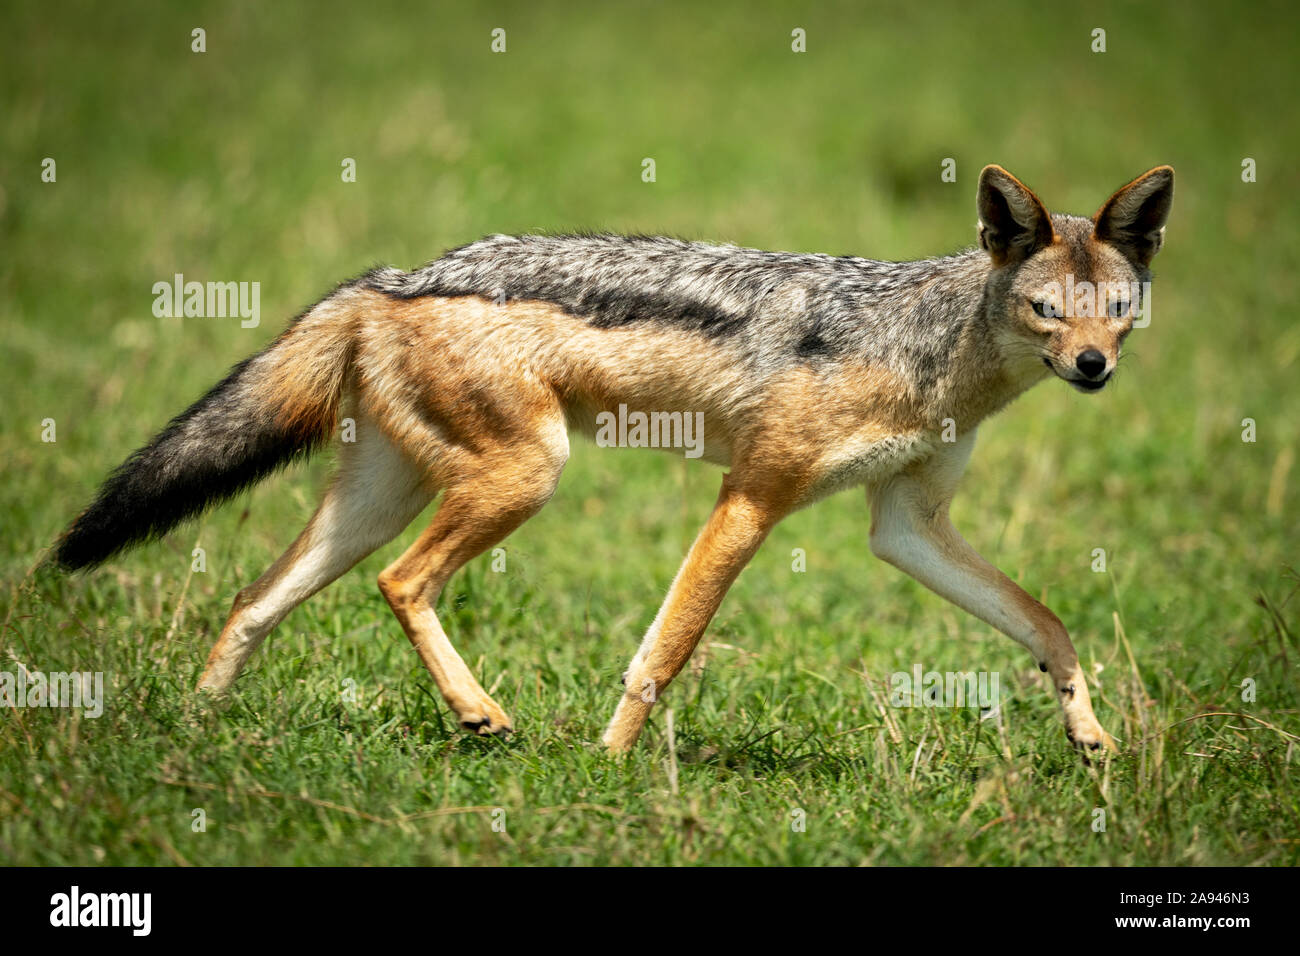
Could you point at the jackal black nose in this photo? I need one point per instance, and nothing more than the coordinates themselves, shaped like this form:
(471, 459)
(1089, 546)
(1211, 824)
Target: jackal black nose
(1091, 363)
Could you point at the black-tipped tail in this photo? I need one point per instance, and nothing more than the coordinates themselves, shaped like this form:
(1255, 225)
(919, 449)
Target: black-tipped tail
(271, 409)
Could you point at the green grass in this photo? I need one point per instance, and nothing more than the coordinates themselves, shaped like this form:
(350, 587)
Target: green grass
(226, 165)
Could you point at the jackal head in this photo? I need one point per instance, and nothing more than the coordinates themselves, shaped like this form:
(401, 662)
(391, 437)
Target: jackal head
(1065, 290)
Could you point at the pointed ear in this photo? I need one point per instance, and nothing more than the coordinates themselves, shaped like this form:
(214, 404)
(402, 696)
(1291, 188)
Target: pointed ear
(1133, 220)
(1014, 223)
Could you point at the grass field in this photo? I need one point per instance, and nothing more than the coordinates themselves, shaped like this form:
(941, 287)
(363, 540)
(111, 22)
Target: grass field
(226, 165)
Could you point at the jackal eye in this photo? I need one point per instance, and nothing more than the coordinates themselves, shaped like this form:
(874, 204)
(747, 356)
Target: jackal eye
(1117, 308)
(1044, 309)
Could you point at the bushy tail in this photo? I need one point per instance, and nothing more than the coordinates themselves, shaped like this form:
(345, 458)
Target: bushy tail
(274, 407)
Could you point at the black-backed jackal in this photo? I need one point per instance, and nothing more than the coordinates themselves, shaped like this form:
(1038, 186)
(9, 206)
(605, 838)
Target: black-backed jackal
(813, 374)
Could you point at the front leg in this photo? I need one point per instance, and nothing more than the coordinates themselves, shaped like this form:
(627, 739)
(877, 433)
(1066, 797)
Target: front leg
(911, 530)
(739, 523)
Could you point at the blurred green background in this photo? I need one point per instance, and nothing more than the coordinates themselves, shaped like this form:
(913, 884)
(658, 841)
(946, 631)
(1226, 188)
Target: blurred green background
(225, 165)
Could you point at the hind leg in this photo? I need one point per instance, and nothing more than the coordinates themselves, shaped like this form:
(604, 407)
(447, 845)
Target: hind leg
(377, 492)
(486, 503)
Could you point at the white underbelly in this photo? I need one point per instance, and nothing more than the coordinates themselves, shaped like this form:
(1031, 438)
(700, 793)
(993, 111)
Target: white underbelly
(870, 461)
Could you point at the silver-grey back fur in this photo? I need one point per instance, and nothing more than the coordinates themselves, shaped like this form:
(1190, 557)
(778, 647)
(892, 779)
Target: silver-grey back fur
(779, 308)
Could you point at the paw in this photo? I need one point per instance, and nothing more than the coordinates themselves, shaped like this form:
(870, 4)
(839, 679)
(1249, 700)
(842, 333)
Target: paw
(1081, 726)
(486, 726)
(625, 726)
(212, 693)
(614, 746)
(215, 682)
(486, 719)
(1087, 735)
